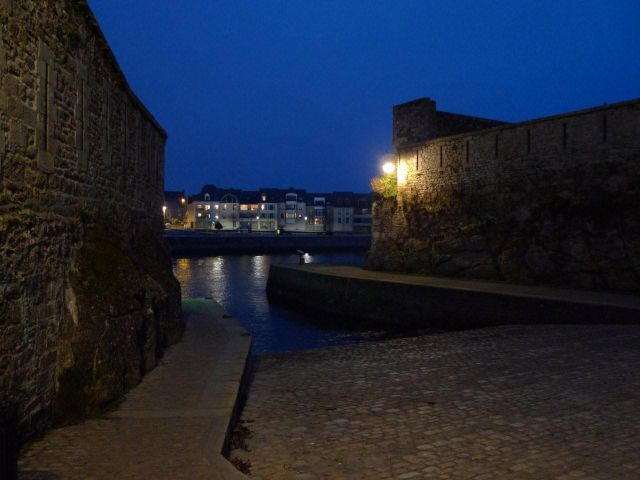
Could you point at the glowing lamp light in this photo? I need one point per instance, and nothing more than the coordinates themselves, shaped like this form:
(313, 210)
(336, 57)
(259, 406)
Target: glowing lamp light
(182, 200)
(402, 173)
(257, 217)
(388, 168)
(164, 209)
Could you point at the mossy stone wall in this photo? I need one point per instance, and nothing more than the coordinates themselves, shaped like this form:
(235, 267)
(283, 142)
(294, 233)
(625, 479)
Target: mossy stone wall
(551, 201)
(88, 301)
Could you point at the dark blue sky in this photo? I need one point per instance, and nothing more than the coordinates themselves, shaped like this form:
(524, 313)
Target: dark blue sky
(299, 93)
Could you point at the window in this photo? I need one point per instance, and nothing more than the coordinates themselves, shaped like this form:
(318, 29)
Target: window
(207, 197)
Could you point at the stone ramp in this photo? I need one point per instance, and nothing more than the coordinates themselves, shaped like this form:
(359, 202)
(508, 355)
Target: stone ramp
(419, 301)
(516, 402)
(174, 425)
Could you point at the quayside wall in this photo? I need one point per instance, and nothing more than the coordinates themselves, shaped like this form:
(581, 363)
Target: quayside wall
(551, 201)
(88, 301)
(392, 300)
(199, 244)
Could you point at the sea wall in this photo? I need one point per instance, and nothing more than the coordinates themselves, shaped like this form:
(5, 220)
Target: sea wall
(195, 243)
(550, 201)
(88, 301)
(390, 301)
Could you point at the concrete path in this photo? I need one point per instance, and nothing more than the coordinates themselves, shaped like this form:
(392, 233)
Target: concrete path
(544, 402)
(172, 426)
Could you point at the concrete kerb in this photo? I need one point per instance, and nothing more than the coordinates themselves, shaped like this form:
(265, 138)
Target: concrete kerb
(232, 372)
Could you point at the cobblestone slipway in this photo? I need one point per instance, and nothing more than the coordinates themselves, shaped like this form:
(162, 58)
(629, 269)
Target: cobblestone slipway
(516, 402)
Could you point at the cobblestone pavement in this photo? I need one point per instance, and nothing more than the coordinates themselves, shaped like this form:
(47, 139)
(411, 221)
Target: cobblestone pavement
(516, 402)
(171, 426)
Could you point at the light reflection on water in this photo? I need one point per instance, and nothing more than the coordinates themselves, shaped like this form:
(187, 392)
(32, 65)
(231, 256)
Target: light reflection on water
(238, 283)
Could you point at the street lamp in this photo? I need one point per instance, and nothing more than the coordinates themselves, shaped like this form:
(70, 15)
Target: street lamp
(388, 168)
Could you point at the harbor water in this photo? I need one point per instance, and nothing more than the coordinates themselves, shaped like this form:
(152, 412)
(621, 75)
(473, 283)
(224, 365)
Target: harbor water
(238, 283)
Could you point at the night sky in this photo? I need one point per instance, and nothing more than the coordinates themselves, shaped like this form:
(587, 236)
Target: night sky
(299, 93)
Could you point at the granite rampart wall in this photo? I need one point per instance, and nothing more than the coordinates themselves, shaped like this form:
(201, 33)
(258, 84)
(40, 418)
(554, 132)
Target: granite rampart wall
(549, 201)
(87, 297)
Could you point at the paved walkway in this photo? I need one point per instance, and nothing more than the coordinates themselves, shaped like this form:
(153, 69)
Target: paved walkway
(515, 402)
(172, 426)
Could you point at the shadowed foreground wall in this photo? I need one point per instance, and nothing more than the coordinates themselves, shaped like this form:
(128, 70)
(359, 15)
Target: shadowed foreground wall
(88, 301)
(550, 201)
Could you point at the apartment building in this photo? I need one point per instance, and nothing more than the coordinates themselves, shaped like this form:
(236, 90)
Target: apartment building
(276, 209)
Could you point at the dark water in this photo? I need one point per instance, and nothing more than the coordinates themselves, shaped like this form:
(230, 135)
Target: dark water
(238, 283)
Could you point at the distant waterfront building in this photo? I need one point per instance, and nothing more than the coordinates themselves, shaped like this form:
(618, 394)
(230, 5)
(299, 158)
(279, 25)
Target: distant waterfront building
(349, 212)
(270, 209)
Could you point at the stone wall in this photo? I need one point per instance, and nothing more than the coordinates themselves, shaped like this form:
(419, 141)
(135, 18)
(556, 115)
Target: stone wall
(418, 121)
(88, 301)
(549, 201)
